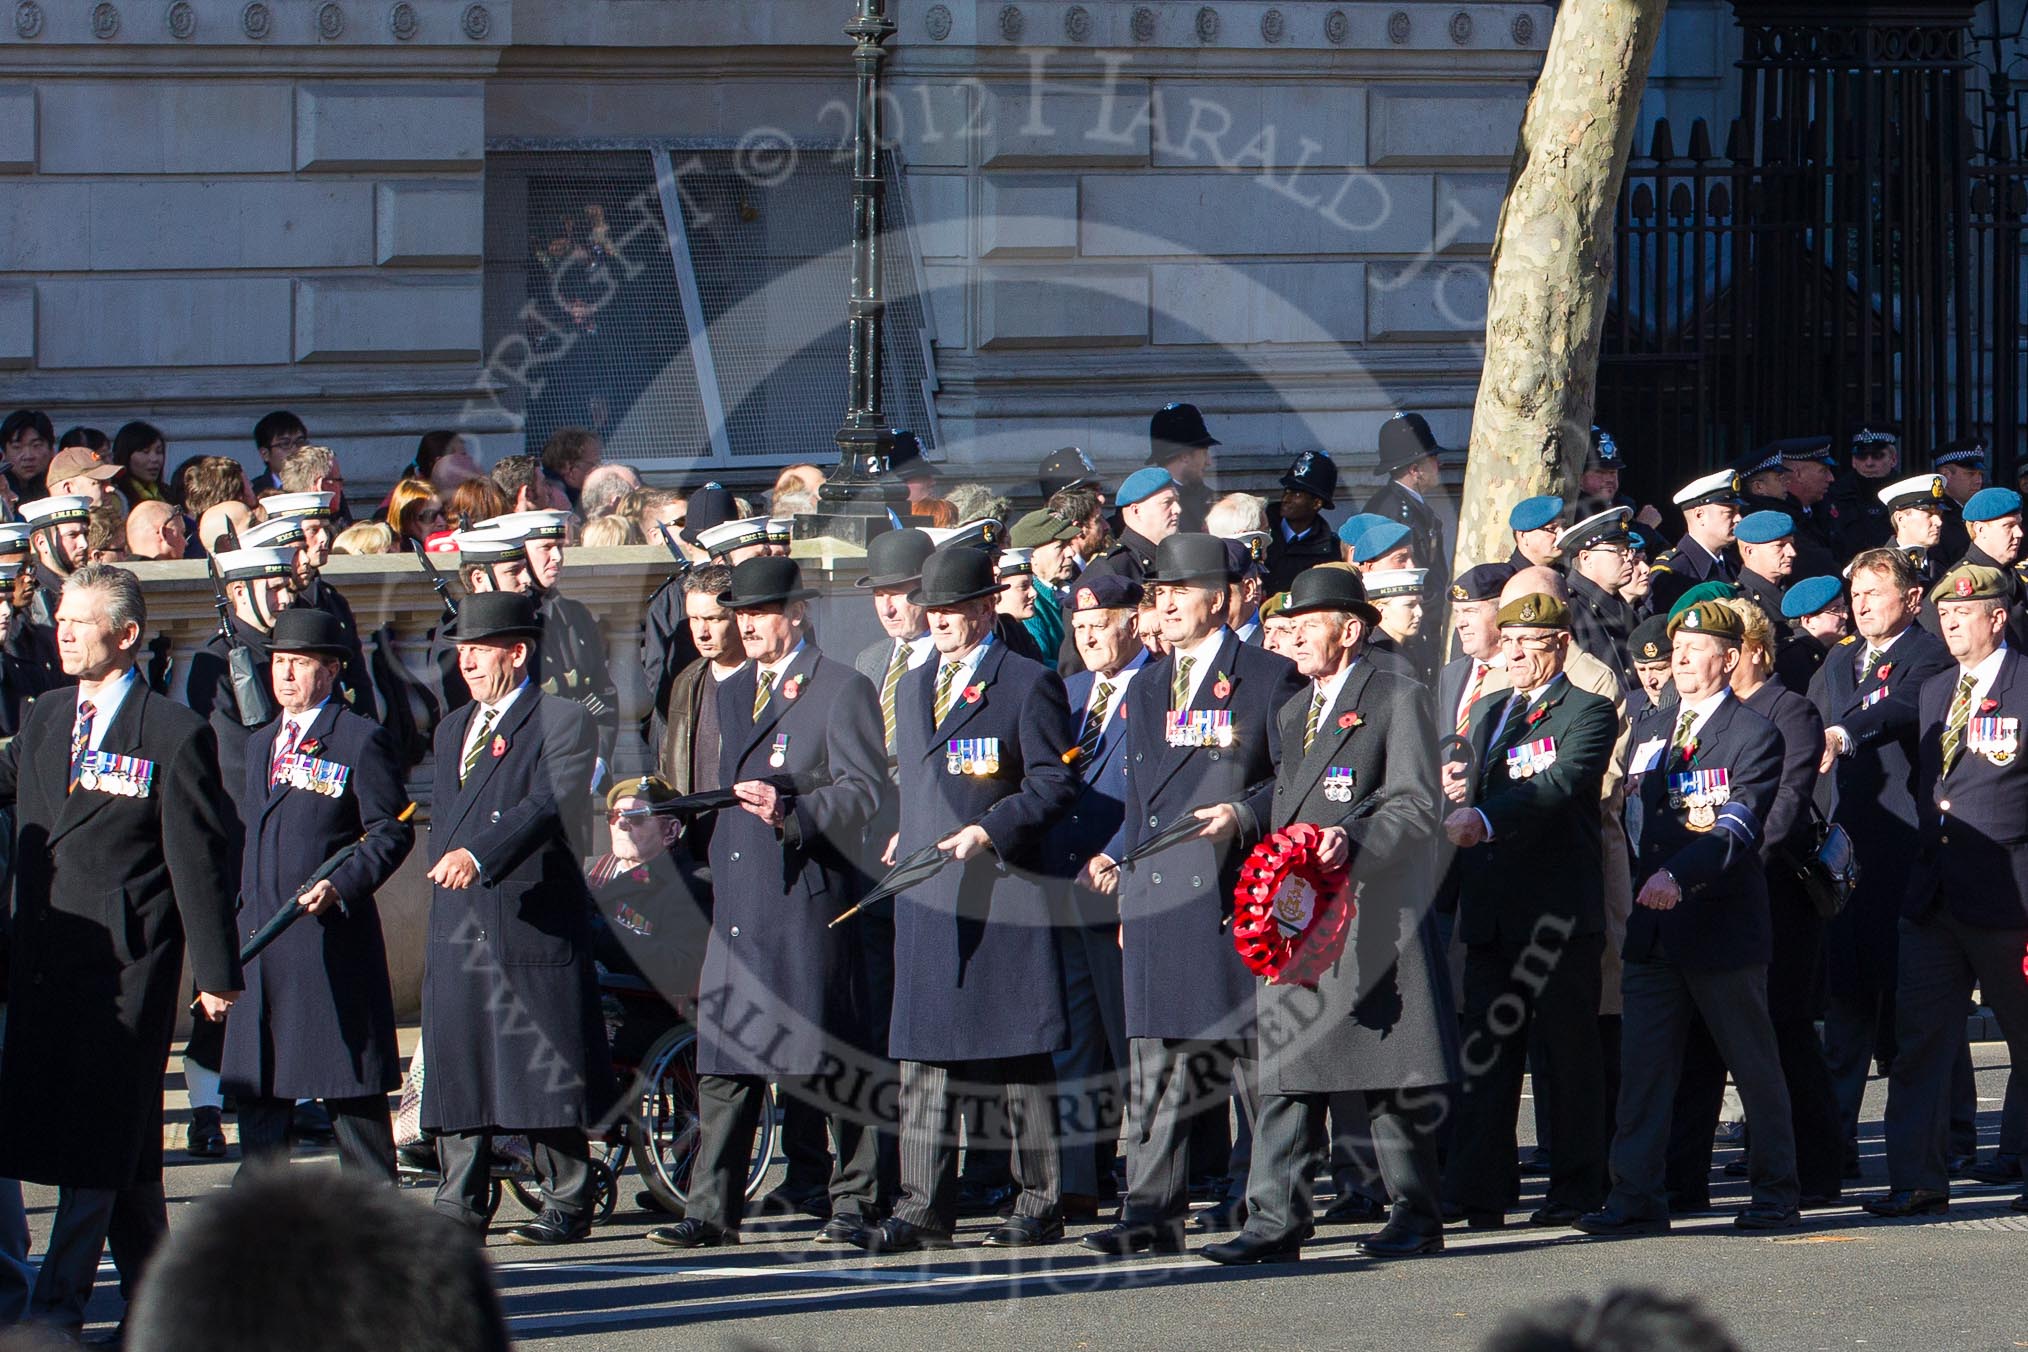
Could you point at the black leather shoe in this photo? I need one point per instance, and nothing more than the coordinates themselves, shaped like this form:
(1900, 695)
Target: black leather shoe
(1245, 1248)
(787, 1201)
(2019, 1203)
(1399, 1242)
(207, 1134)
(1736, 1169)
(1123, 1239)
(895, 1235)
(1999, 1169)
(1767, 1218)
(1227, 1215)
(1353, 1209)
(551, 1227)
(1020, 1232)
(420, 1156)
(1555, 1215)
(1613, 1226)
(310, 1123)
(1481, 1220)
(1960, 1165)
(1534, 1163)
(1903, 1202)
(693, 1234)
(841, 1229)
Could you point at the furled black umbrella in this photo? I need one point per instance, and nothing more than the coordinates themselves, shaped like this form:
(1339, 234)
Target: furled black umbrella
(1178, 831)
(718, 800)
(917, 868)
(294, 911)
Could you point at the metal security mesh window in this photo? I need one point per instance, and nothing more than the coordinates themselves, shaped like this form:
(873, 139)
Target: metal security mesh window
(688, 311)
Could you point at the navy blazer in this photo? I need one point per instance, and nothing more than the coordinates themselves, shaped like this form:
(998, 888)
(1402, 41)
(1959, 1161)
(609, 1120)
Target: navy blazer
(317, 1018)
(1183, 977)
(1096, 821)
(1973, 856)
(780, 985)
(1722, 920)
(976, 970)
(1875, 794)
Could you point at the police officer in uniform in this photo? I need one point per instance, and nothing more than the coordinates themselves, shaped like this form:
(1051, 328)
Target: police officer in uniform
(316, 514)
(1300, 536)
(1710, 507)
(1964, 918)
(1812, 471)
(1763, 481)
(1963, 467)
(1598, 558)
(317, 1018)
(1767, 558)
(1069, 467)
(1408, 457)
(1862, 517)
(1180, 443)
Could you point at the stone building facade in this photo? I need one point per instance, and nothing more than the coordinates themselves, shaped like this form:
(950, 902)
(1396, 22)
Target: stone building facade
(1278, 210)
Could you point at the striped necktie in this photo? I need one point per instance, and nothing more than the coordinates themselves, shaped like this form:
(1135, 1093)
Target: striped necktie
(896, 668)
(1094, 723)
(1316, 717)
(1954, 724)
(1179, 689)
(472, 746)
(946, 678)
(1866, 664)
(284, 748)
(761, 692)
(1479, 670)
(81, 740)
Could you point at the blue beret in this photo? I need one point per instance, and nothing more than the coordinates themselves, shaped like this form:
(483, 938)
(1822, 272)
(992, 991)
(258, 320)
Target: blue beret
(1638, 541)
(1810, 595)
(1535, 513)
(1107, 591)
(1378, 540)
(1764, 528)
(1990, 504)
(1356, 526)
(1144, 483)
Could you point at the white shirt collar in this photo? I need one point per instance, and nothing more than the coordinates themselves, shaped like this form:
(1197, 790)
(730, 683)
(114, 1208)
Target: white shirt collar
(1335, 685)
(301, 722)
(499, 710)
(1702, 710)
(919, 649)
(967, 664)
(1118, 681)
(781, 664)
(1984, 674)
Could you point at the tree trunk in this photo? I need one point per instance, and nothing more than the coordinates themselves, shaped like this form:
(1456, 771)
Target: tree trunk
(1552, 267)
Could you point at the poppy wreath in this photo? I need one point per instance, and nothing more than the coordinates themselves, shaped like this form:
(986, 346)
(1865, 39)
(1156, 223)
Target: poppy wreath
(1296, 942)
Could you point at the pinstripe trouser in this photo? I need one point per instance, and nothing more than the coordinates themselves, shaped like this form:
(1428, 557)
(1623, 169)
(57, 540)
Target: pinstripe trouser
(931, 1112)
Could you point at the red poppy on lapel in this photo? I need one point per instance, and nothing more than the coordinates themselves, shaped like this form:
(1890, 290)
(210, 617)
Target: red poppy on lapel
(1222, 689)
(792, 687)
(1537, 715)
(499, 747)
(1350, 719)
(1987, 706)
(973, 694)
(1883, 672)
(1690, 751)
(309, 746)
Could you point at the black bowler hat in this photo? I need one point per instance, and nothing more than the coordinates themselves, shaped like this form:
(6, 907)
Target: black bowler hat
(895, 558)
(485, 615)
(1315, 474)
(1329, 589)
(709, 506)
(1067, 468)
(771, 581)
(1177, 429)
(303, 629)
(905, 461)
(953, 576)
(1404, 439)
(1190, 556)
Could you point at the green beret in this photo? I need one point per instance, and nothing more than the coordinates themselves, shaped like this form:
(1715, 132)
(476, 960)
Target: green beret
(1703, 591)
(1537, 610)
(1708, 617)
(1971, 582)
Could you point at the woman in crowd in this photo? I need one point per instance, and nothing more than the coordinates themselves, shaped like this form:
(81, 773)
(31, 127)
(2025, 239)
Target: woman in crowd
(141, 450)
(415, 511)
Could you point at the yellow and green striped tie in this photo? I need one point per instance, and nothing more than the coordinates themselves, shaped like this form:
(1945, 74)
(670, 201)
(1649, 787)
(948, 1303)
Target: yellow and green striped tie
(945, 680)
(1954, 724)
(761, 693)
(888, 685)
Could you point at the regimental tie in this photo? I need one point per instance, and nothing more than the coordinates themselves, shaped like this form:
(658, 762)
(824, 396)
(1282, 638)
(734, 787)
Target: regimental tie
(1866, 663)
(1094, 724)
(1507, 730)
(284, 748)
(1316, 717)
(761, 692)
(897, 667)
(1479, 670)
(473, 747)
(1683, 726)
(1954, 725)
(947, 677)
(81, 740)
(1179, 689)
